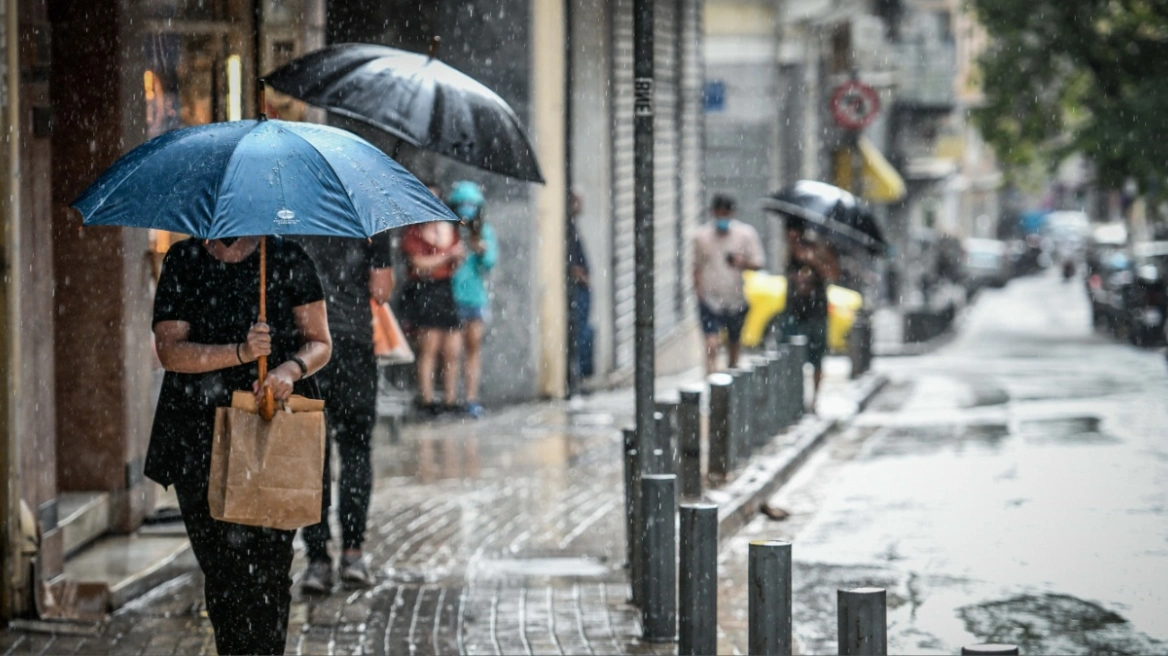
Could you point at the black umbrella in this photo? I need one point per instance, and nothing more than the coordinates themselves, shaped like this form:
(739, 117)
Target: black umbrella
(829, 209)
(416, 98)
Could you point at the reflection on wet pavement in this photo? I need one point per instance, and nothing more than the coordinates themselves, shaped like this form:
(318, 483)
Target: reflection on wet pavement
(1009, 488)
(1056, 624)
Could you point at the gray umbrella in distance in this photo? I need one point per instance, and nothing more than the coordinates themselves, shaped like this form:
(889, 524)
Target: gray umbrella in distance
(417, 99)
(831, 210)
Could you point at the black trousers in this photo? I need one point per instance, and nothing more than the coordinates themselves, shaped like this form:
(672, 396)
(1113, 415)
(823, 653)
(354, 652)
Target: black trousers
(246, 576)
(349, 387)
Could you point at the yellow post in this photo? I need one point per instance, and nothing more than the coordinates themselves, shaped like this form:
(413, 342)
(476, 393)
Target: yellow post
(549, 103)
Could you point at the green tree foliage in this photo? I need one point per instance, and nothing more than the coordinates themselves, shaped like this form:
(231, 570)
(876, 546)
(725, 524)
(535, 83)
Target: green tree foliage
(1085, 76)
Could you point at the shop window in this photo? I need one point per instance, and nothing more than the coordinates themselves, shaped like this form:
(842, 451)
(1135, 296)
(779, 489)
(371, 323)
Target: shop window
(191, 78)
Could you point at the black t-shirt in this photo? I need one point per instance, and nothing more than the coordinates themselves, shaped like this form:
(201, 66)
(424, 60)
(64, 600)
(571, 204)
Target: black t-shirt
(809, 306)
(576, 254)
(220, 301)
(344, 264)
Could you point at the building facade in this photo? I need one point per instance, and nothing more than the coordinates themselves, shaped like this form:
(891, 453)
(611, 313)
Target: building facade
(84, 83)
(772, 67)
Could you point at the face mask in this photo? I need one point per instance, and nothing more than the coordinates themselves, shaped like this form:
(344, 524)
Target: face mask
(228, 241)
(722, 225)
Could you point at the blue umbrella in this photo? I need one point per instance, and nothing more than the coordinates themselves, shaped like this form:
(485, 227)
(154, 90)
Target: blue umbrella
(265, 177)
(259, 178)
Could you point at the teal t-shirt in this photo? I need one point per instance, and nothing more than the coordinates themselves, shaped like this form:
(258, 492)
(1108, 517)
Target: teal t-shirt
(470, 285)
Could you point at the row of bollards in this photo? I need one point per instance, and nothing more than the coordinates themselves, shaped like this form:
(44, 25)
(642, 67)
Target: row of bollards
(752, 403)
(747, 407)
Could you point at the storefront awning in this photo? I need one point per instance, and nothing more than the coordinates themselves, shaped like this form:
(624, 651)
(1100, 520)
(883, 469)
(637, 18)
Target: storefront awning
(882, 183)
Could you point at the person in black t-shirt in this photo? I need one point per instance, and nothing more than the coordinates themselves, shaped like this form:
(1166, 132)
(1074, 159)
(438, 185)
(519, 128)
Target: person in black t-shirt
(811, 266)
(353, 271)
(208, 341)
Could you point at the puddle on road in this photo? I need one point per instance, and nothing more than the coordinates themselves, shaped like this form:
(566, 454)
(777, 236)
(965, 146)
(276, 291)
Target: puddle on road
(1065, 430)
(928, 440)
(1056, 624)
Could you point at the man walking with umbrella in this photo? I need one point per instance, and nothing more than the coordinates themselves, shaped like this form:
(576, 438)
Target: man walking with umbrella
(811, 266)
(352, 271)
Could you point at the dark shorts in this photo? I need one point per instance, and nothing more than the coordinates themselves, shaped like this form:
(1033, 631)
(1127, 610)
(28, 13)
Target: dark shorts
(815, 330)
(430, 304)
(715, 322)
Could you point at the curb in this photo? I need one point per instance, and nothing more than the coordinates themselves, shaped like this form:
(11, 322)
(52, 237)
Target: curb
(739, 501)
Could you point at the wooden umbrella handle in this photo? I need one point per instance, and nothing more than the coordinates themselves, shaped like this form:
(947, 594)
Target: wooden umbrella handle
(268, 404)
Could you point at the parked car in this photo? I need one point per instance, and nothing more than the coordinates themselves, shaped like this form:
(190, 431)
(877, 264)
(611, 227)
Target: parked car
(1146, 297)
(1106, 288)
(1067, 233)
(1106, 239)
(1026, 256)
(986, 264)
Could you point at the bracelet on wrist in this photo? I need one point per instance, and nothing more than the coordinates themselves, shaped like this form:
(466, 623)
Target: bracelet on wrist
(238, 356)
(303, 367)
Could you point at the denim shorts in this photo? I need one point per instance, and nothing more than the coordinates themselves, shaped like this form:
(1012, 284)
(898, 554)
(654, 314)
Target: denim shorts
(467, 314)
(714, 322)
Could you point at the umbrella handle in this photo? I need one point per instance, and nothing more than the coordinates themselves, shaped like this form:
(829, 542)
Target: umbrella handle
(268, 403)
(435, 42)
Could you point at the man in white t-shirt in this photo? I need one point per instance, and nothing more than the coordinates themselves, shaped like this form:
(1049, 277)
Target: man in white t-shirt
(723, 249)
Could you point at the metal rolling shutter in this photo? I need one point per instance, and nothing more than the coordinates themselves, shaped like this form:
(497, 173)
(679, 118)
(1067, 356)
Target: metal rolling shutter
(622, 183)
(691, 192)
(666, 162)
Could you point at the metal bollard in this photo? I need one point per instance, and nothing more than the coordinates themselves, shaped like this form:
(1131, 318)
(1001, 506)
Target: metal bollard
(721, 425)
(991, 648)
(782, 391)
(863, 622)
(634, 527)
(774, 393)
(766, 414)
(799, 355)
(741, 413)
(698, 582)
(762, 382)
(860, 344)
(750, 367)
(769, 603)
(689, 442)
(659, 612)
(666, 436)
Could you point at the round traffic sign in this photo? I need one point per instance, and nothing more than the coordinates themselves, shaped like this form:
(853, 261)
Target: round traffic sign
(854, 105)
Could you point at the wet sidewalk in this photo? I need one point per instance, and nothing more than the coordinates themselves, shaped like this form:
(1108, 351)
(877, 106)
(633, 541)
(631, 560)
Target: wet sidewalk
(504, 535)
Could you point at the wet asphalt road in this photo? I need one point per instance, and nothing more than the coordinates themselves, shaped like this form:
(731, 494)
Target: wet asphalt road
(1010, 487)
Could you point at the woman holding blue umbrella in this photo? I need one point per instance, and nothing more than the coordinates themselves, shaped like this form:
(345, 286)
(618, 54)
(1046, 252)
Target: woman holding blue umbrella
(230, 298)
(209, 341)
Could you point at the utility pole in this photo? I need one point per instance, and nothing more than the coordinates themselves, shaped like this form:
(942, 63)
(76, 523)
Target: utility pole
(643, 219)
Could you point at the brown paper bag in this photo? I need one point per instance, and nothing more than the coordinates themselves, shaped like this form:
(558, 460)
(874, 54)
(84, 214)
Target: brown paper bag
(268, 473)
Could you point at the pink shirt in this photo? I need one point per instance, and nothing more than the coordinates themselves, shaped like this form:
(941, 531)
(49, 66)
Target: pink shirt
(721, 284)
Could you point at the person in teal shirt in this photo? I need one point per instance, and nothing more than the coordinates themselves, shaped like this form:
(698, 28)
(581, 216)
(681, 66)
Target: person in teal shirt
(470, 285)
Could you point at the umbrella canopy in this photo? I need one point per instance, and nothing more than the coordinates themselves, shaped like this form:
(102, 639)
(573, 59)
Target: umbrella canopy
(251, 178)
(831, 210)
(259, 178)
(416, 98)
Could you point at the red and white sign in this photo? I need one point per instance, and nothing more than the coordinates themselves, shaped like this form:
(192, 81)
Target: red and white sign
(854, 105)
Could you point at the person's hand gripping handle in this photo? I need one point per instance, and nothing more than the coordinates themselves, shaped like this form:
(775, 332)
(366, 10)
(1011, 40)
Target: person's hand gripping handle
(259, 347)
